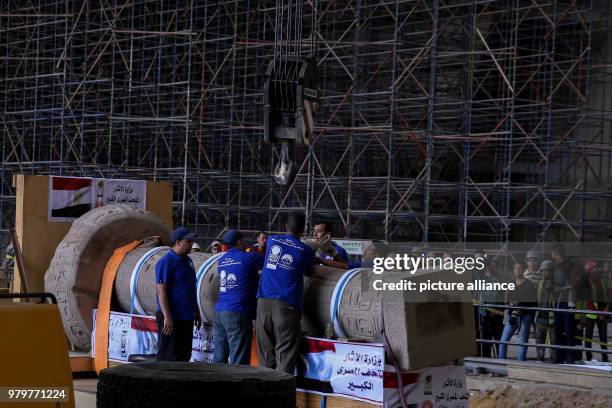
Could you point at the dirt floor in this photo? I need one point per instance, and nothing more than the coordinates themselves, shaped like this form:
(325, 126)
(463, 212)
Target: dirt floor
(499, 392)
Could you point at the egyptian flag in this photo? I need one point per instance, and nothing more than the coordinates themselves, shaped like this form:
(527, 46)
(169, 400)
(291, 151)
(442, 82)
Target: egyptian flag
(69, 197)
(315, 367)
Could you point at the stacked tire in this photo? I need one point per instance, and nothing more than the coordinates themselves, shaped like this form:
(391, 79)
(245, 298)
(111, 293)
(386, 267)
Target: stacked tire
(177, 384)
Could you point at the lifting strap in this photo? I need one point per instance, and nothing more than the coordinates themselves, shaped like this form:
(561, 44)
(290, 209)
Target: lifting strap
(392, 357)
(104, 303)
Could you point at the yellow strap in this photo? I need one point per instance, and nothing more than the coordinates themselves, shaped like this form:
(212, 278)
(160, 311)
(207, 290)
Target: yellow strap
(254, 356)
(593, 341)
(104, 303)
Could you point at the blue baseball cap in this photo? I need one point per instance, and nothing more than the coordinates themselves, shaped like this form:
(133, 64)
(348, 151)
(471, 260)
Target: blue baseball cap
(231, 237)
(181, 233)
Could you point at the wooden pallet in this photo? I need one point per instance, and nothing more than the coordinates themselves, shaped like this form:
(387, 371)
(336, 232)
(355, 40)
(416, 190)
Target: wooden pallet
(80, 362)
(308, 400)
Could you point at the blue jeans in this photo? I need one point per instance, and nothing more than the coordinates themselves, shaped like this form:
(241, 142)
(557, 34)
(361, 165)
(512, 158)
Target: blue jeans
(232, 333)
(523, 323)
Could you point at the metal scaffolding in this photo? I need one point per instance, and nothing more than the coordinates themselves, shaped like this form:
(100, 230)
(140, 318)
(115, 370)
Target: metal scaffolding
(439, 120)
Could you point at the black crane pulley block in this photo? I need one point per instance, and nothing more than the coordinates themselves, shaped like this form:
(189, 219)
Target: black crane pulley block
(291, 96)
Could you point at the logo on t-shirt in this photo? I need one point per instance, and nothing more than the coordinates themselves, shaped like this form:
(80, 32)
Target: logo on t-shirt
(227, 281)
(273, 258)
(223, 281)
(287, 259)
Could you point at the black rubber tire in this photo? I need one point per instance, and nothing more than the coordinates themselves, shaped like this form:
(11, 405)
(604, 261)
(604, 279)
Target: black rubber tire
(173, 384)
(141, 358)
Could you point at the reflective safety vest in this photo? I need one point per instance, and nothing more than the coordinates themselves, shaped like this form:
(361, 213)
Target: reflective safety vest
(594, 300)
(544, 303)
(580, 305)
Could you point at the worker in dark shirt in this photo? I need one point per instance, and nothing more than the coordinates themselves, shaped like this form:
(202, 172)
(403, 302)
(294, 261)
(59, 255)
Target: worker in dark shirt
(544, 320)
(564, 322)
(176, 299)
(489, 321)
(235, 310)
(279, 305)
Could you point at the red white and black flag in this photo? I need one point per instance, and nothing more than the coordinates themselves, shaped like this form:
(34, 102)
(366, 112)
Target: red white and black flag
(69, 197)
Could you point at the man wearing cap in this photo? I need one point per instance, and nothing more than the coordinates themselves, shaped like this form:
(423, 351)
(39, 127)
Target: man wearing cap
(176, 299)
(533, 271)
(235, 309)
(215, 247)
(279, 304)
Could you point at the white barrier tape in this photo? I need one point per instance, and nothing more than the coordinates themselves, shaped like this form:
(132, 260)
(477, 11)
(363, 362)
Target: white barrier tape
(202, 271)
(134, 302)
(334, 305)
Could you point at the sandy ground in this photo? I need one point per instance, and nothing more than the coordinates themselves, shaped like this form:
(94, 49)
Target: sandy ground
(499, 392)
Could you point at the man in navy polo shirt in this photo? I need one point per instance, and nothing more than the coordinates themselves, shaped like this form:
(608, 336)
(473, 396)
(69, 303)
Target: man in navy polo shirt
(235, 310)
(176, 299)
(279, 305)
(341, 259)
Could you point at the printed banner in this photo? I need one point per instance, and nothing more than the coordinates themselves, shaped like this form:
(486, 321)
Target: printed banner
(344, 368)
(71, 197)
(358, 371)
(115, 191)
(432, 387)
(132, 334)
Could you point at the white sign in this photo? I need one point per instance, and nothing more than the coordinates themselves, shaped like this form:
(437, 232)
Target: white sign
(71, 197)
(358, 370)
(132, 334)
(118, 335)
(349, 369)
(352, 247)
(432, 387)
(115, 191)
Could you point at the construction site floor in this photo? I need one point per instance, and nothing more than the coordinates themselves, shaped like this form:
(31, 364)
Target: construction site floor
(490, 391)
(85, 392)
(487, 391)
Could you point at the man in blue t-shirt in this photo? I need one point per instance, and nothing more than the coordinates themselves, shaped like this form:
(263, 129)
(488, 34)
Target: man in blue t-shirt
(279, 305)
(235, 309)
(322, 231)
(176, 299)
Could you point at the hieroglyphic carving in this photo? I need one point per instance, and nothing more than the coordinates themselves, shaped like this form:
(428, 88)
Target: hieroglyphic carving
(75, 273)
